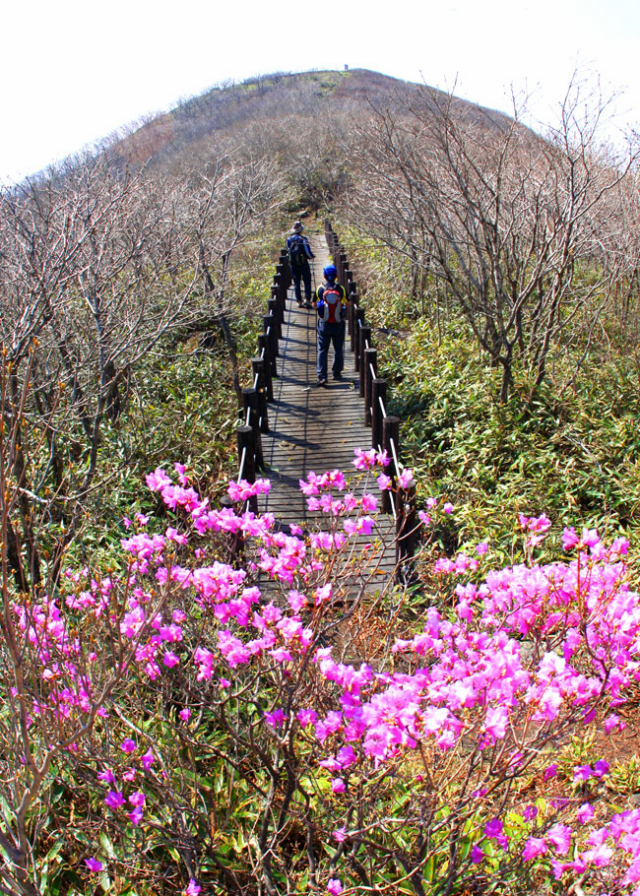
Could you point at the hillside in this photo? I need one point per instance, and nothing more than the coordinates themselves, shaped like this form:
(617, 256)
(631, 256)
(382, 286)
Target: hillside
(320, 96)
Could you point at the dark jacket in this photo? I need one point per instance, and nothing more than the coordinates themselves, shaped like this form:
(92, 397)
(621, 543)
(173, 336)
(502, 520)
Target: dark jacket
(305, 244)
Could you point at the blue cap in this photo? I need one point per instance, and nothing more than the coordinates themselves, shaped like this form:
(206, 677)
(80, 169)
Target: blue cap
(330, 272)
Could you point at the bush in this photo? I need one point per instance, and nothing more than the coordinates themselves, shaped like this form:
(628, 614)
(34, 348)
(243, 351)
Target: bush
(275, 721)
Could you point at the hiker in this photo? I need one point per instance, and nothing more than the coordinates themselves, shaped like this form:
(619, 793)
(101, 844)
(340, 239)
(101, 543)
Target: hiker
(299, 255)
(332, 310)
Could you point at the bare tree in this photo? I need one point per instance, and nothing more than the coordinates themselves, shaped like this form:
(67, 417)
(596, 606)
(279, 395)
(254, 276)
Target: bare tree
(507, 220)
(97, 266)
(225, 205)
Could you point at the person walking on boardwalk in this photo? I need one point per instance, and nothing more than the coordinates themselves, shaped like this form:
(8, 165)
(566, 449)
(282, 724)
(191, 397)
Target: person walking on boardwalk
(300, 254)
(332, 311)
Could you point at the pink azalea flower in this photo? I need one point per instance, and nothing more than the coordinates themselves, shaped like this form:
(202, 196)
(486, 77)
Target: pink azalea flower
(585, 813)
(107, 776)
(334, 886)
(346, 756)
(275, 719)
(338, 785)
(493, 828)
(365, 525)
(307, 717)
(94, 865)
(147, 760)
(590, 537)
(185, 714)
(369, 503)
(114, 799)
(384, 482)
(535, 846)
(559, 868)
(538, 524)
(297, 601)
(135, 817)
(620, 546)
(496, 722)
(339, 834)
(600, 856)
(364, 460)
(482, 548)
(193, 889)
(128, 746)
(560, 836)
(447, 508)
(281, 655)
(633, 874)
(569, 538)
(323, 594)
(405, 479)
(613, 722)
(477, 854)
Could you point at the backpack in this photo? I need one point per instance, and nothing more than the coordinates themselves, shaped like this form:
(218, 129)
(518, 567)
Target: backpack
(297, 255)
(334, 305)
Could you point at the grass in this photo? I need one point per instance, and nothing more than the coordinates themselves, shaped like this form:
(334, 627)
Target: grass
(572, 454)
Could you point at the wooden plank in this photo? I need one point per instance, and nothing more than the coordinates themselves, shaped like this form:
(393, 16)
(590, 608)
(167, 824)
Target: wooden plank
(313, 428)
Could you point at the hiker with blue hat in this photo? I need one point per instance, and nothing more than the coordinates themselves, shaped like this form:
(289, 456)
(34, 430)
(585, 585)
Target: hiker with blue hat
(332, 306)
(300, 253)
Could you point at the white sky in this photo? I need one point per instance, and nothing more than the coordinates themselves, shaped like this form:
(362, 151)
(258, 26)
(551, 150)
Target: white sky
(73, 71)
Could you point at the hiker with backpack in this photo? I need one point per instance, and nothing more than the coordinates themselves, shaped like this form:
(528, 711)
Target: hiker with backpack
(300, 253)
(332, 306)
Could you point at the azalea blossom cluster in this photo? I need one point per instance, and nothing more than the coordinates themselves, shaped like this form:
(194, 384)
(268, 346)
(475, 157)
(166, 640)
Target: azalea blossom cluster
(534, 650)
(621, 835)
(529, 652)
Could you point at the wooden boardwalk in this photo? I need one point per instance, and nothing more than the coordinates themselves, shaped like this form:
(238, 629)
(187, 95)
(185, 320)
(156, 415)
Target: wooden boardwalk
(312, 428)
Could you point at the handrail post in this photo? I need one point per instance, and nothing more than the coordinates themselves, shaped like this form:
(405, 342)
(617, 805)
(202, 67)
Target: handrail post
(390, 440)
(342, 266)
(250, 404)
(370, 362)
(352, 307)
(270, 332)
(280, 281)
(258, 367)
(269, 363)
(245, 440)
(378, 396)
(363, 339)
(274, 309)
(358, 322)
(286, 269)
(405, 530)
